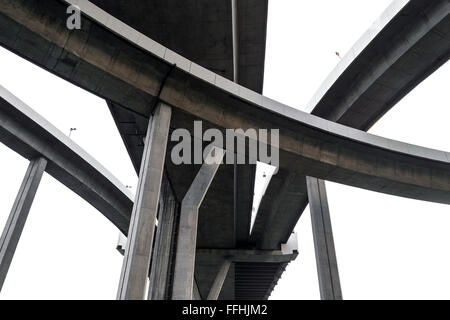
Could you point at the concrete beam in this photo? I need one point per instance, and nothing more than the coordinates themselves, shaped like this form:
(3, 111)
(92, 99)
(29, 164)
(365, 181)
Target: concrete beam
(107, 72)
(244, 175)
(247, 256)
(403, 47)
(208, 25)
(27, 133)
(136, 261)
(161, 253)
(19, 214)
(216, 287)
(308, 145)
(187, 234)
(327, 269)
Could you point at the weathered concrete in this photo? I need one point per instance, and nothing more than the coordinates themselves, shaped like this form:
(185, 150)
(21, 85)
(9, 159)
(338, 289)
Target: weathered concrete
(247, 256)
(327, 268)
(222, 104)
(201, 31)
(214, 292)
(244, 175)
(136, 262)
(402, 48)
(19, 214)
(187, 234)
(27, 133)
(159, 273)
(308, 145)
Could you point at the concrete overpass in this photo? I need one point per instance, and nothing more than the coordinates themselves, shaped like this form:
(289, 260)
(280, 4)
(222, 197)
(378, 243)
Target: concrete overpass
(48, 149)
(132, 71)
(402, 48)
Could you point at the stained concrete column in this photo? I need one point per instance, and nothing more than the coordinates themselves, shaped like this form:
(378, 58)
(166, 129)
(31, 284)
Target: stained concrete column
(161, 253)
(18, 216)
(187, 234)
(327, 269)
(136, 263)
(217, 285)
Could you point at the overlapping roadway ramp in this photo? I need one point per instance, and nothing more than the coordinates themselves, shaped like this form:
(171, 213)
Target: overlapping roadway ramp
(402, 48)
(130, 70)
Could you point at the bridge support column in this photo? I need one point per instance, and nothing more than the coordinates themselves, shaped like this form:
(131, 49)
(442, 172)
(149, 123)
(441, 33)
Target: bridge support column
(216, 287)
(161, 253)
(18, 216)
(327, 269)
(136, 263)
(183, 284)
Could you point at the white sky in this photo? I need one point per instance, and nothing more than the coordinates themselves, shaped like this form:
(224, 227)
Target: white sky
(387, 247)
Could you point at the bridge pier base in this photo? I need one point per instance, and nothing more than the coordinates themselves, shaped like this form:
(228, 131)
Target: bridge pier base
(183, 284)
(136, 263)
(19, 214)
(327, 269)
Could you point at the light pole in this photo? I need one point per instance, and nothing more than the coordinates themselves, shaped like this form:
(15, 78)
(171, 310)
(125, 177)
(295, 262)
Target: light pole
(71, 130)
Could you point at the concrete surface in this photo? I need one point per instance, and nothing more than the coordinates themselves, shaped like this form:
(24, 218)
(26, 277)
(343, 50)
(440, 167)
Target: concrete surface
(136, 261)
(19, 214)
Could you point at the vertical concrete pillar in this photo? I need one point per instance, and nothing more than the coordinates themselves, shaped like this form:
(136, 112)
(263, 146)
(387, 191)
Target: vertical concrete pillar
(18, 216)
(136, 263)
(161, 253)
(327, 269)
(217, 285)
(187, 234)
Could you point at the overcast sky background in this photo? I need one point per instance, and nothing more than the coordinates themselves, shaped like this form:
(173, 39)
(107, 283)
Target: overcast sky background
(387, 247)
